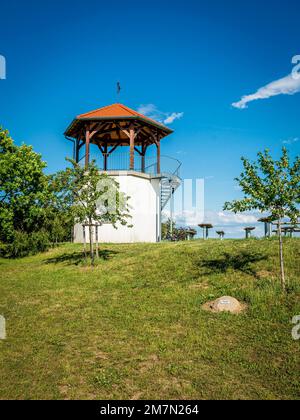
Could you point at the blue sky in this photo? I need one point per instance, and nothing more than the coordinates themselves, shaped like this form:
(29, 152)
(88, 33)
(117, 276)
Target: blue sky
(193, 57)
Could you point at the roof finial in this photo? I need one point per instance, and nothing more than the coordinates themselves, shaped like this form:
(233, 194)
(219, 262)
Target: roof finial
(118, 89)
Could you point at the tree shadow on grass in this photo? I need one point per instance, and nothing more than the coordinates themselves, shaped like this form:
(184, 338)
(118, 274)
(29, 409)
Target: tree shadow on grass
(77, 258)
(239, 262)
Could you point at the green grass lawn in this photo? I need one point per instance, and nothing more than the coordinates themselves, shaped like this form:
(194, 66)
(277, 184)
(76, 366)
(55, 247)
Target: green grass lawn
(133, 327)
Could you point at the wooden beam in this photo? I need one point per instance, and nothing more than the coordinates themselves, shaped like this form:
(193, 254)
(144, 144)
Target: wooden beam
(92, 134)
(128, 133)
(98, 128)
(155, 138)
(137, 132)
(94, 126)
(80, 144)
(81, 135)
(105, 157)
(113, 149)
(87, 149)
(138, 151)
(131, 137)
(100, 148)
(77, 151)
(158, 156)
(144, 149)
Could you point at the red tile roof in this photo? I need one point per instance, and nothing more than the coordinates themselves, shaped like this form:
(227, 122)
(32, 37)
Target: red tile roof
(118, 111)
(115, 110)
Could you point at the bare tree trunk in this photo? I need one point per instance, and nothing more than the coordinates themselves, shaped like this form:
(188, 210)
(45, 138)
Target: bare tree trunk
(91, 242)
(84, 243)
(283, 282)
(97, 243)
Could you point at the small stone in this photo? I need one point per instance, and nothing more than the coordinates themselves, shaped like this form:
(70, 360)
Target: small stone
(225, 304)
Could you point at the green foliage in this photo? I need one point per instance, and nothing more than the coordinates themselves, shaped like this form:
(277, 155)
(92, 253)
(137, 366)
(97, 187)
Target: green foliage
(273, 187)
(24, 192)
(23, 188)
(92, 196)
(270, 186)
(178, 234)
(165, 229)
(29, 202)
(24, 244)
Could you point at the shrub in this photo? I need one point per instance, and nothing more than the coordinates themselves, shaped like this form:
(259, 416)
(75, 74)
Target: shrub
(38, 242)
(25, 244)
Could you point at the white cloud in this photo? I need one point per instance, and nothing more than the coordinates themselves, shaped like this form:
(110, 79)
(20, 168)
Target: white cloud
(174, 116)
(232, 224)
(181, 152)
(221, 218)
(288, 85)
(151, 111)
(147, 110)
(232, 218)
(291, 140)
(188, 218)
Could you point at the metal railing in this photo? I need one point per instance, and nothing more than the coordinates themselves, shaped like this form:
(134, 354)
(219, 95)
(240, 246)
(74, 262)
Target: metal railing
(148, 165)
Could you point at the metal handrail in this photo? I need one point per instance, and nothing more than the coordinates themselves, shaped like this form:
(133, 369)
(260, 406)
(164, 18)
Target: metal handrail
(177, 170)
(123, 163)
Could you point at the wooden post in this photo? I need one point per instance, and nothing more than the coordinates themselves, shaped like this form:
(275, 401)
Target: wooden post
(77, 151)
(143, 157)
(105, 157)
(97, 242)
(158, 156)
(131, 138)
(87, 149)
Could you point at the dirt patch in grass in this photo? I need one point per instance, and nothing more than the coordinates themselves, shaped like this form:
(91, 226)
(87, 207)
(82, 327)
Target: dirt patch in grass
(199, 286)
(149, 363)
(264, 274)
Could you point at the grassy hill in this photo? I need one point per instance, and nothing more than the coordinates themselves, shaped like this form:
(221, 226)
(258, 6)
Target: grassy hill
(133, 326)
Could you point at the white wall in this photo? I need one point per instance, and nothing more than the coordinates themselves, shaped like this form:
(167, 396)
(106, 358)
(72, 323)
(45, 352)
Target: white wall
(144, 193)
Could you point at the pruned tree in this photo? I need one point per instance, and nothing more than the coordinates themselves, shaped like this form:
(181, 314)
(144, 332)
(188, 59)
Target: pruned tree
(92, 198)
(271, 186)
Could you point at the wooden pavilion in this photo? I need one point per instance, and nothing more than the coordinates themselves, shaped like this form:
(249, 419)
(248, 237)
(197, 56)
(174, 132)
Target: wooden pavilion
(114, 126)
(150, 188)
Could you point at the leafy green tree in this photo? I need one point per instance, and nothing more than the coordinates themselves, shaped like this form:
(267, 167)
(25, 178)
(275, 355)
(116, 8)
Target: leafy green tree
(31, 211)
(24, 192)
(178, 234)
(166, 228)
(271, 186)
(92, 197)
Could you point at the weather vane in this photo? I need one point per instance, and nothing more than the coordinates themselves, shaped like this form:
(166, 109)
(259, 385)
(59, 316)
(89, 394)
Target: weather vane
(118, 88)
